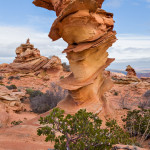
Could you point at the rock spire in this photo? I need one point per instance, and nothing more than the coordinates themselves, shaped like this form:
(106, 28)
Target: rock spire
(88, 30)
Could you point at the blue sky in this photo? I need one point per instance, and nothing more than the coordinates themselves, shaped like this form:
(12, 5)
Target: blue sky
(20, 19)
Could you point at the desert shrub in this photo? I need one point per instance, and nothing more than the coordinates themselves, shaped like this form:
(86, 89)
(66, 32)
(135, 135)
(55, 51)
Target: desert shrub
(145, 100)
(1, 78)
(66, 67)
(62, 77)
(14, 77)
(11, 87)
(33, 93)
(116, 93)
(11, 78)
(147, 94)
(16, 122)
(145, 104)
(29, 91)
(44, 102)
(81, 131)
(137, 123)
(17, 77)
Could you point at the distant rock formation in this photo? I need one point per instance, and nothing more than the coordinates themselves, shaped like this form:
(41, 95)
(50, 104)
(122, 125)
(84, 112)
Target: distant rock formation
(88, 30)
(128, 79)
(29, 60)
(130, 71)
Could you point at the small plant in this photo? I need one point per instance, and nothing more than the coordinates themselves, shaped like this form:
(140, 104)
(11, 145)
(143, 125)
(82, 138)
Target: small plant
(144, 102)
(66, 67)
(16, 122)
(11, 78)
(1, 78)
(29, 91)
(147, 94)
(116, 93)
(33, 93)
(11, 87)
(62, 77)
(14, 77)
(137, 123)
(81, 131)
(17, 77)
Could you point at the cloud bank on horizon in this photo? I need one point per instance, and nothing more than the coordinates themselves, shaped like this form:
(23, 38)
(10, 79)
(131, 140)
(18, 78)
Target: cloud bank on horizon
(132, 47)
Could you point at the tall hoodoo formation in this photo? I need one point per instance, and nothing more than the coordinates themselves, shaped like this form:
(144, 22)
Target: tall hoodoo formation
(88, 30)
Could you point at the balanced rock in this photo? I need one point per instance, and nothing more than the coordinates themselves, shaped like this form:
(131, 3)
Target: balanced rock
(29, 60)
(88, 30)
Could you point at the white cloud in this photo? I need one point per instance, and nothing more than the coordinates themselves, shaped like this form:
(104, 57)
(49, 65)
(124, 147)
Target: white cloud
(12, 37)
(128, 48)
(131, 47)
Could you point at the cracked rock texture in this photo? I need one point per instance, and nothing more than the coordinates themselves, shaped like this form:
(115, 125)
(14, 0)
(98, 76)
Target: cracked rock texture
(88, 30)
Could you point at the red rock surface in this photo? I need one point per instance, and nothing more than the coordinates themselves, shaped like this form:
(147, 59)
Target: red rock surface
(24, 136)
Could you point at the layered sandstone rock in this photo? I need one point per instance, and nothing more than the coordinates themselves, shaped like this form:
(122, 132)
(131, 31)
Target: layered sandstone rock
(126, 147)
(9, 95)
(130, 71)
(145, 79)
(88, 30)
(29, 60)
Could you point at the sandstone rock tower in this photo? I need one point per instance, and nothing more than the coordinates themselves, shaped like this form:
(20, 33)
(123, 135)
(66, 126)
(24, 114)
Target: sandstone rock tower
(88, 30)
(130, 71)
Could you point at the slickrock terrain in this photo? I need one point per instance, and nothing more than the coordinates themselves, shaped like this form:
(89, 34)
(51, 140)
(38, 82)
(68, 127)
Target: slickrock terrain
(29, 60)
(88, 30)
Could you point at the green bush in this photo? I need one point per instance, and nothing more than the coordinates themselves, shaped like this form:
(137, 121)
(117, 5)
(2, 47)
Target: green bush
(116, 93)
(137, 123)
(14, 77)
(11, 87)
(33, 93)
(81, 131)
(29, 91)
(1, 78)
(16, 122)
(62, 77)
